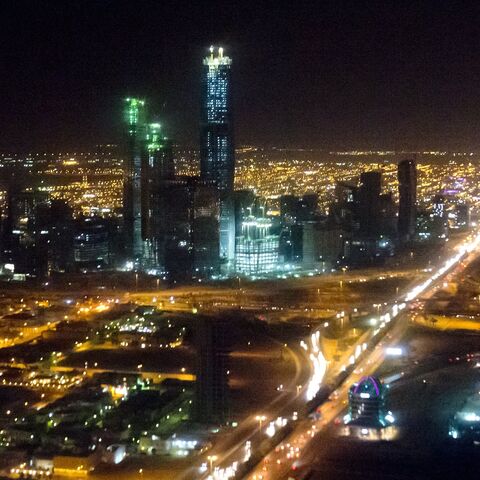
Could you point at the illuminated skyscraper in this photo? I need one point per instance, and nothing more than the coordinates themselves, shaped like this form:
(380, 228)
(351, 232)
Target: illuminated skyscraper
(407, 209)
(256, 248)
(132, 194)
(158, 168)
(217, 154)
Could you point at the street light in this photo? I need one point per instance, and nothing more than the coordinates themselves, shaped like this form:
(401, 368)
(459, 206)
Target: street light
(260, 419)
(211, 459)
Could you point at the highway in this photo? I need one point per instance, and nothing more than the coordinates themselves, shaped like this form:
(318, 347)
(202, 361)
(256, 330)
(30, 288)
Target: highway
(234, 445)
(297, 449)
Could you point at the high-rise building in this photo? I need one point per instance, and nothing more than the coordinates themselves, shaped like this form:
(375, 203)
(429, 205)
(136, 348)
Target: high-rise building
(440, 217)
(288, 209)
(407, 208)
(52, 230)
(211, 388)
(92, 244)
(217, 153)
(369, 203)
(256, 250)
(462, 216)
(158, 169)
(189, 228)
(132, 195)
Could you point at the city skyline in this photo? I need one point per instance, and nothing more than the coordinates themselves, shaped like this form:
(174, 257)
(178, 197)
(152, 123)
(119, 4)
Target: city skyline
(408, 81)
(255, 251)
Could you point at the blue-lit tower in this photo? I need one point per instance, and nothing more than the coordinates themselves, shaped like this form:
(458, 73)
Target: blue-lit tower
(217, 153)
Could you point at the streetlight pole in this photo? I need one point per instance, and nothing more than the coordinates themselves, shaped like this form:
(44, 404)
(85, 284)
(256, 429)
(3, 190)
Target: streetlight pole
(260, 419)
(211, 459)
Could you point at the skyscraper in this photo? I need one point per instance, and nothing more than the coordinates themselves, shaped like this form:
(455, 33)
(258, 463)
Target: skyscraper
(211, 388)
(217, 154)
(190, 228)
(132, 195)
(158, 169)
(369, 203)
(407, 209)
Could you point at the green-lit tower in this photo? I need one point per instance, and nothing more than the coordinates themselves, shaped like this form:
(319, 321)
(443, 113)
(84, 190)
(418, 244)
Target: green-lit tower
(132, 193)
(158, 172)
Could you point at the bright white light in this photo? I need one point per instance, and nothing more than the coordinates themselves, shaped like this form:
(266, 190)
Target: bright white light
(394, 351)
(248, 451)
(471, 417)
(270, 430)
(319, 366)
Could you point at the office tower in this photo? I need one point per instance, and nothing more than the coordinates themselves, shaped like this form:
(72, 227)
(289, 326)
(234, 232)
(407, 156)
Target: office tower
(190, 228)
(52, 230)
(307, 207)
(132, 195)
(440, 207)
(388, 221)
(462, 216)
(92, 244)
(256, 249)
(217, 154)
(211, 388)
(440, 218)
(19, 246)
(61, 236)
(369, 206)
(407, 208)
(289, 209)
(158, 168)
(205, 228)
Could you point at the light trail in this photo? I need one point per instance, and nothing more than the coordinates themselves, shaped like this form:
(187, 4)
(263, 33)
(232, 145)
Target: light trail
(300, 437)
(319, 366)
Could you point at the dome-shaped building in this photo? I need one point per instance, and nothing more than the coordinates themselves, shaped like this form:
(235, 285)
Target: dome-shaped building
(367, 410)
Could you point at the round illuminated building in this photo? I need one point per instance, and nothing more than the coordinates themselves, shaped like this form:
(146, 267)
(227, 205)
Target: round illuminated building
(367, 414)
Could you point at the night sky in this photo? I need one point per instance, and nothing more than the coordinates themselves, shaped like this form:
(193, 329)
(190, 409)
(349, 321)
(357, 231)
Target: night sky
(336, 75)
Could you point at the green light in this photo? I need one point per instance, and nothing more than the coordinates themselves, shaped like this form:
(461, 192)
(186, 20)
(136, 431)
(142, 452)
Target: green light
(154, 137)
(134, 111)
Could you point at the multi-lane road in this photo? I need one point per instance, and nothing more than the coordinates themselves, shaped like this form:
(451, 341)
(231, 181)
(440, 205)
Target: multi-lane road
(297, 451)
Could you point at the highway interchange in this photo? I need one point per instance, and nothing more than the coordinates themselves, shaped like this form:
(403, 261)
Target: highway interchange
(296, 449)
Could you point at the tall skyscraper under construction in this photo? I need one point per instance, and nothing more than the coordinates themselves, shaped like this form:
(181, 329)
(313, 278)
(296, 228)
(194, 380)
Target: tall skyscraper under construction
(217, 153)
(132, 194)
(158, 169)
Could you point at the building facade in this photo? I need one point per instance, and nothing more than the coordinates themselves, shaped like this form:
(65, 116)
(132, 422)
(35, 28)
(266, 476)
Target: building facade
(217, 153)
(132, 194)
(256, 250)
(407, 208)
(158, 170)
(211, 387)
